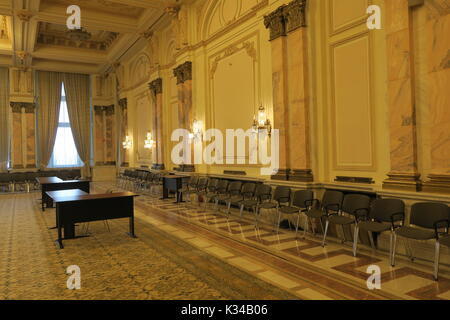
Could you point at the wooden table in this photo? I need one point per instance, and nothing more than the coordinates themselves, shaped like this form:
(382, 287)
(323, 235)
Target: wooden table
(55, 184)
(175, 184)
(74, 207)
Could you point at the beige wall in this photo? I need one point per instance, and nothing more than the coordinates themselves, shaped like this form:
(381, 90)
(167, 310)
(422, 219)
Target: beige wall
(232, 76)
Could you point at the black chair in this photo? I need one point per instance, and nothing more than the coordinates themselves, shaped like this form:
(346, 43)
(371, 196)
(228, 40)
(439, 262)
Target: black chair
(234, 189)
(5, 182)
(263, 193)
(385, 215)
(20, 181)
(209, 192)
(282, 195)
(247, 192)
(354, 205)
(301, 201)
(222, 189)
(190, 187)
(331, 200)
(427, 218)
(202, 185)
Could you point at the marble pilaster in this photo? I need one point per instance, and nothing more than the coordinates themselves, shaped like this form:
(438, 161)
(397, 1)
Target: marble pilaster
(156, 87)
(401, 100)
(124, 157)
(438, 83)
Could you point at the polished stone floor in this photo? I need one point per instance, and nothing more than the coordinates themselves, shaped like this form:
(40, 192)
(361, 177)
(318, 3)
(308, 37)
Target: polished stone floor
(185, 251)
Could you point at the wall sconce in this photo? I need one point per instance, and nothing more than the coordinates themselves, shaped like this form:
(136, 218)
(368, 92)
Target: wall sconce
(197, 130)
(261, 121)
(149, 142)
(127, 143)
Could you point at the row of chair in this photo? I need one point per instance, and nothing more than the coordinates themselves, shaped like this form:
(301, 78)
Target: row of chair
(428, 220)
(26, 181)
(140, 181)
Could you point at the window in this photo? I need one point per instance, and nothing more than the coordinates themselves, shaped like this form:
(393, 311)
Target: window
(65, 153)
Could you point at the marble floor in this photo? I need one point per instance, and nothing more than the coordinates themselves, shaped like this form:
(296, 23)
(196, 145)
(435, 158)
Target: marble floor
(301, 266)
(208, 248)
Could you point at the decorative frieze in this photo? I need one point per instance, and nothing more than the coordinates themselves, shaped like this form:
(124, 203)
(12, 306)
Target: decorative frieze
(156, 86)
(183, 72)
(286, 18)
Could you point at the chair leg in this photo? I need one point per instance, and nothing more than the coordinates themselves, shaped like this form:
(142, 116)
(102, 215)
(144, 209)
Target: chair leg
(305, 228)
(279, 219)
(241, 210)
(256, 211)
(355, 240)
(325, 233)
(394, 245)
(228, 209)
(296, 227)
(436, 260)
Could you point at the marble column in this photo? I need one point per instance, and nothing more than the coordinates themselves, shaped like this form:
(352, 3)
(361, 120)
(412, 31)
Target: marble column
(402, 118)
(99, 138)
(124, 157)
(104, 147)
(297, 74)
(30, 121)
(438, 84)
(156, 87)
(184, 84)
(17, 161)
(110, 133)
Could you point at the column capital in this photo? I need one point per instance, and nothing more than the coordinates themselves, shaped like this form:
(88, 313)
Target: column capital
(295, 15)
(108, 109)
(286, 18)
(183, 72)
(156, 86)
(28, 106)
(123, 103)
(276, 23)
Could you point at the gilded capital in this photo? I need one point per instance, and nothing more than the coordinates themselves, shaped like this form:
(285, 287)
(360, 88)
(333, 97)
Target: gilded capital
(295, 15)
(156, 86)
(123, 103)
(276, 23)
(17, 107)
(286, 18)
(183, 72)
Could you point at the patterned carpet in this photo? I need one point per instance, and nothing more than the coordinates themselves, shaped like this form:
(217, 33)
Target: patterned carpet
(156, 265)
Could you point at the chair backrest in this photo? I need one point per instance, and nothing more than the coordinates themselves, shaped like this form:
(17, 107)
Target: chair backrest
(5, 177)
(332, 197)
(193, 181)
(263, 192)
(383, 209)
(248, 190)
(202, 183)
(302, 198)
(426, 214)
(150, 176)
(222, 186)
(354, 202)
(282, 194)
(30, 176)
(212, 184)
(235, 188)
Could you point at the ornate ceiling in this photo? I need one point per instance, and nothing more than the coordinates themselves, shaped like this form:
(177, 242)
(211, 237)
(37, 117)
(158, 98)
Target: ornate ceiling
(33, 33)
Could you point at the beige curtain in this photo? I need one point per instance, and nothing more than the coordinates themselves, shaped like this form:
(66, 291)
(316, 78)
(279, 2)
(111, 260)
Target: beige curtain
(49, 86)
(4, 117)
(77, 87)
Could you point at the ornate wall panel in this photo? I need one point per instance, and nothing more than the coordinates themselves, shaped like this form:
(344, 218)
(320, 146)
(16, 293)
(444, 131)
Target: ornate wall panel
(352, 110)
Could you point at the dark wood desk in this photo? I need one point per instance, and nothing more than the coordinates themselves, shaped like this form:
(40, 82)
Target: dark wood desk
(55, 184)
(175, 184)
(73, 207)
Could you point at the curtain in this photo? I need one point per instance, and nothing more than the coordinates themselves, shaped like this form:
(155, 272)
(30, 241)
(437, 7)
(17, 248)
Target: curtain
(49, 86)
(4, 118)
(77, 87)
